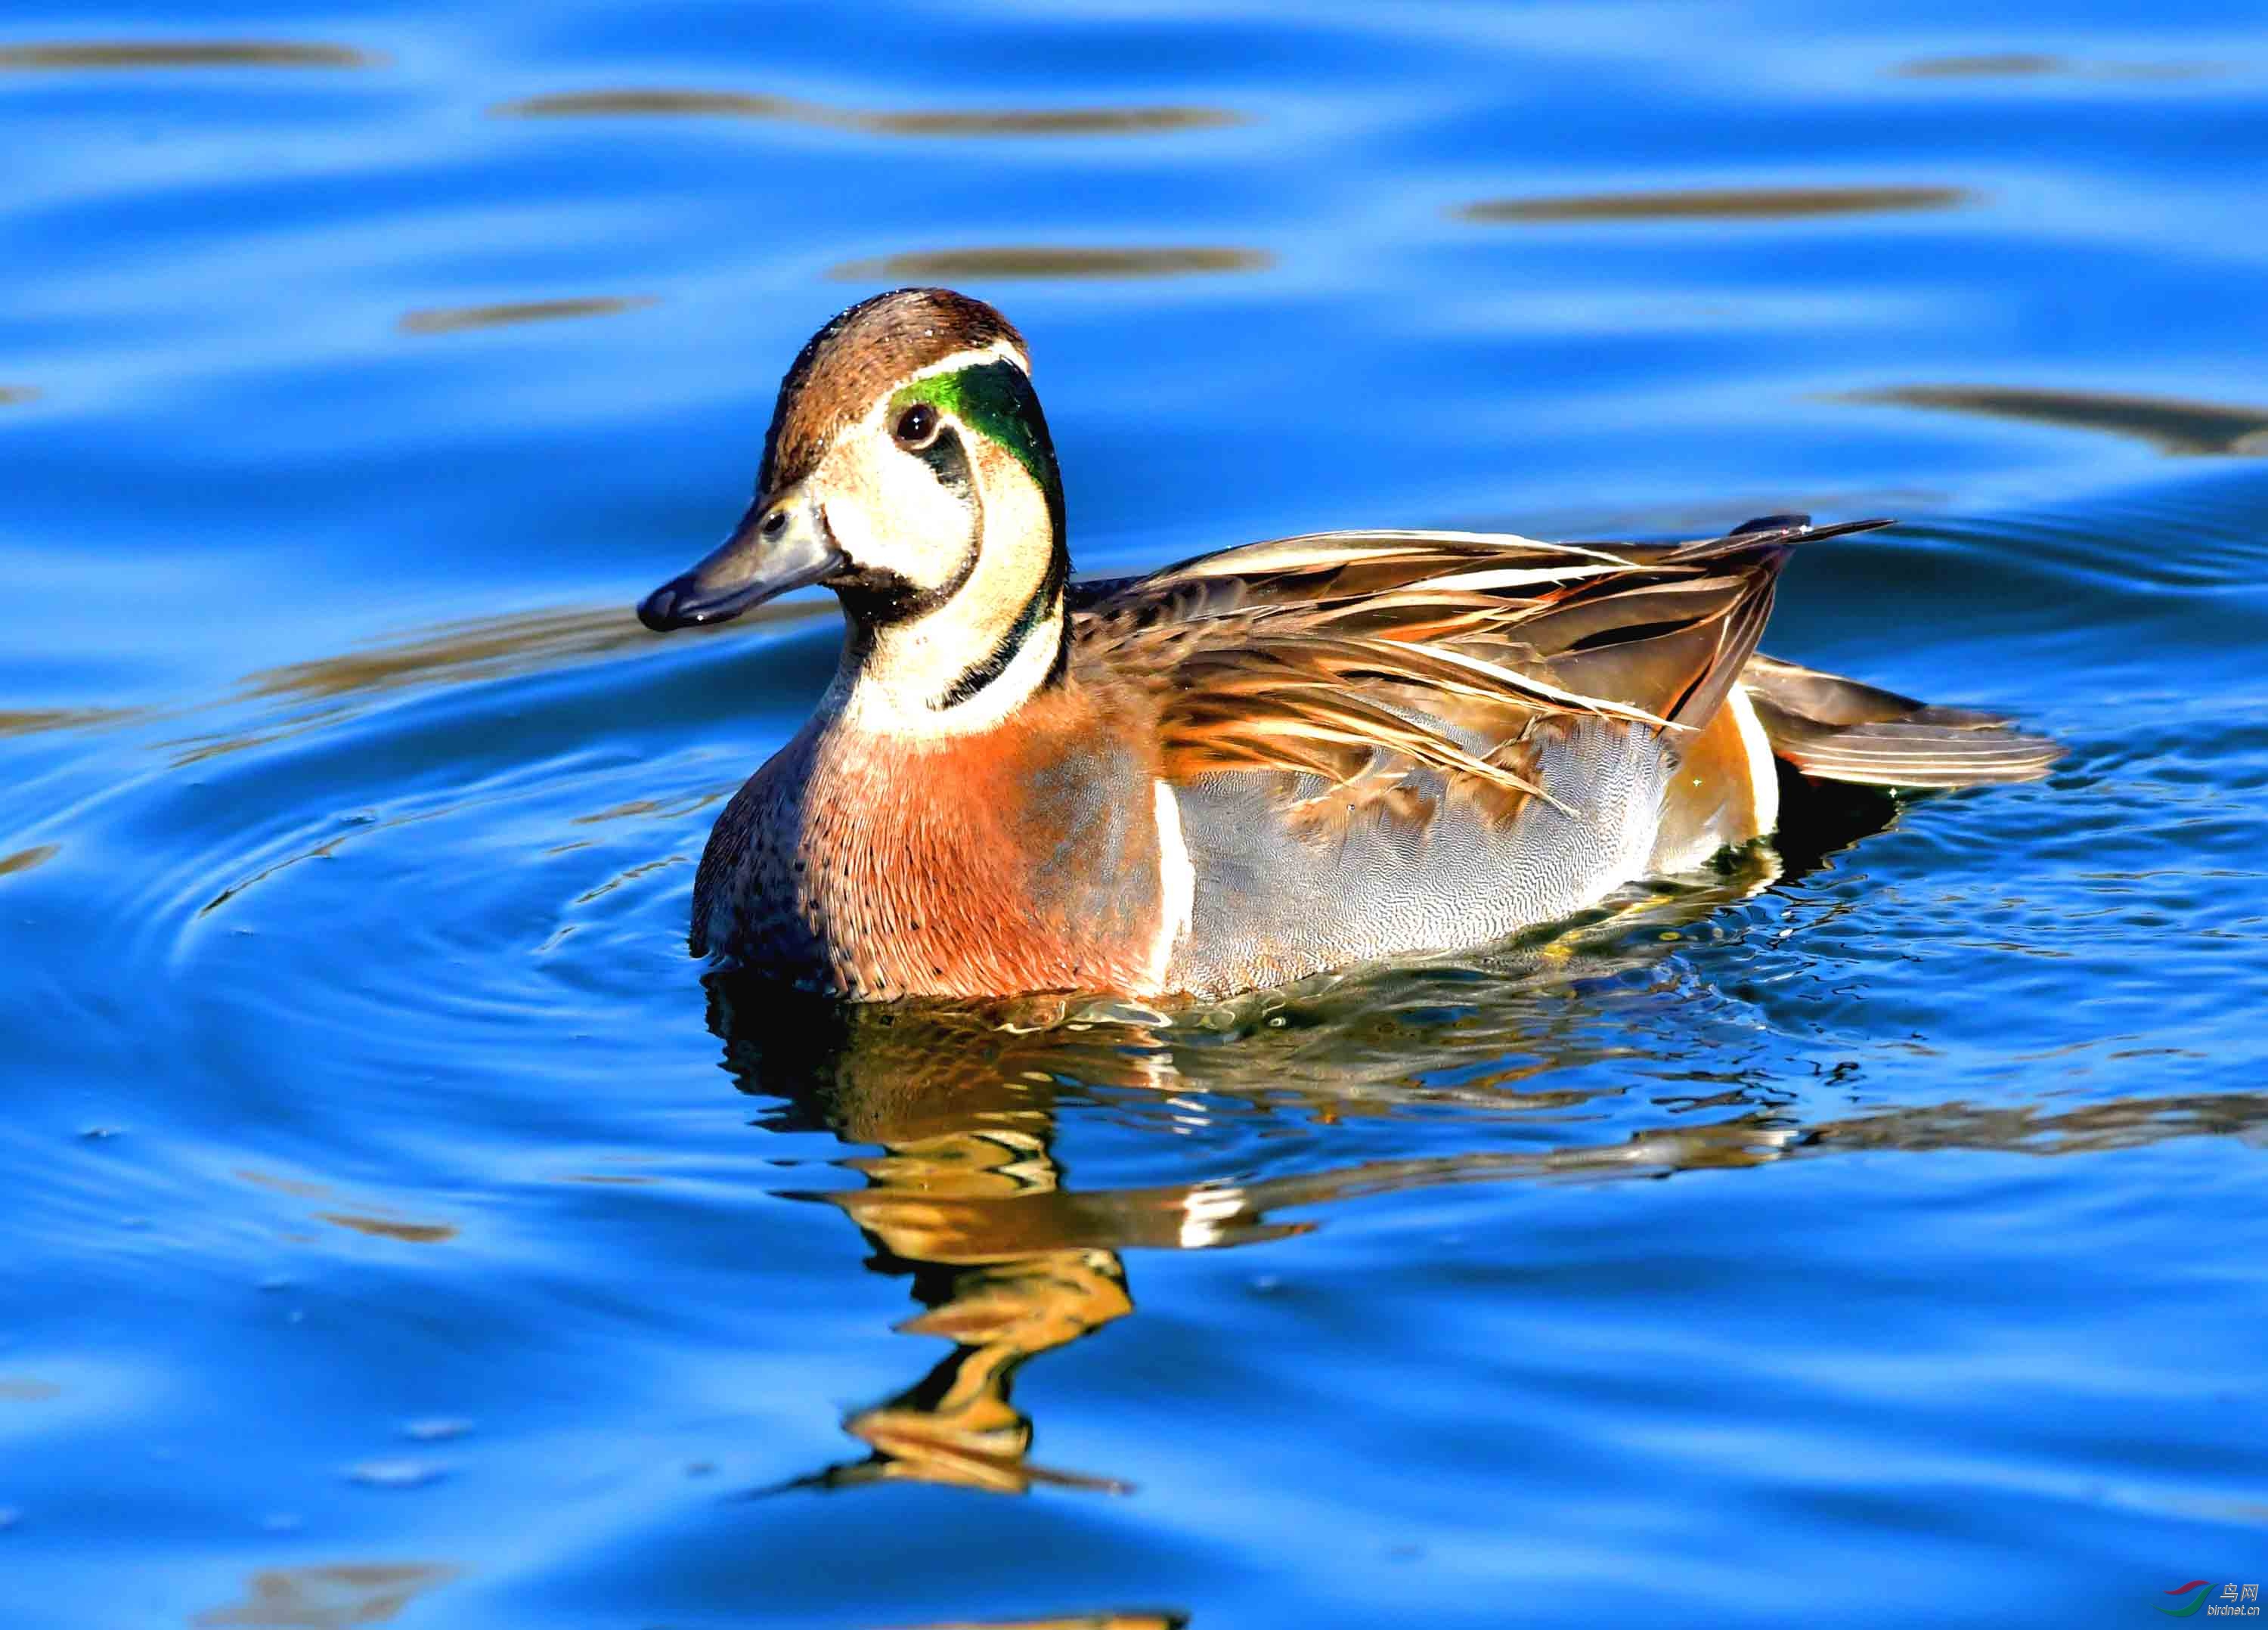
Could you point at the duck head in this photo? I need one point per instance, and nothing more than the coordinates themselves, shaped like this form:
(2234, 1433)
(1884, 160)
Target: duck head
(909, 468)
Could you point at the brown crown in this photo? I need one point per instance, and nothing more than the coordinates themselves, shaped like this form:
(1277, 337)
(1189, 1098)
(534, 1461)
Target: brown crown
(859, 354)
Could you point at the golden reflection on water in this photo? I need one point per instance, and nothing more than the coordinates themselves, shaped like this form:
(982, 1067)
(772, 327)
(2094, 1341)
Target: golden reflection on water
(967, 1201)
(2173, 425)
(456, 319)
(390, 1228)
(1737, 203)
(186, 53)
(466, 652)
(1039, 261)
(375, 1223)
(292, 1186)
(25, 860)
(745, 105)
(480, 648)
(463, 651)
(644, 808)
(32, 721)
(333, 1597)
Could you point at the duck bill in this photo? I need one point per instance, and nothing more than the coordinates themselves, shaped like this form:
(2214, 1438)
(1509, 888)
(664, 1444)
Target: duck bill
(781, 543)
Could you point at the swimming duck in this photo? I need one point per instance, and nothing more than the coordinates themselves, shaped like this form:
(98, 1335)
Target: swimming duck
(1240, 769)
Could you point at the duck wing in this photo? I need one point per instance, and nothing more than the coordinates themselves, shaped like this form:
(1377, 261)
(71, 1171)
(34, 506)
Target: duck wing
(1315, 654)
(1389, 741)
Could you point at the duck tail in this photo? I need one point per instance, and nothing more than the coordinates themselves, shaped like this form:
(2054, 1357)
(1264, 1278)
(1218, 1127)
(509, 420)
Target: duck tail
(1751, 553)
(1838, 729)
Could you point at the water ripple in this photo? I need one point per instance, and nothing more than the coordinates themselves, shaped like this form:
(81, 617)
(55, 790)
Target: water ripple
(2170, 424)
(2041, 65)
(949, 265)
(34, 721)
(455, 319)
(335, 1594)
(1882, 1206)
(744, 105)
(186, 53)
(1736, 203)
(25, 860)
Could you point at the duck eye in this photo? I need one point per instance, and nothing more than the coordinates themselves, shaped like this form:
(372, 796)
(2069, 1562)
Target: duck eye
(916, 426)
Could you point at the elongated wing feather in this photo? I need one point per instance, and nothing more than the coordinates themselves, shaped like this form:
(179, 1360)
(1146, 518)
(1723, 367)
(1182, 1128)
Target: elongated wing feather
(1842, 730)
(1329, 653)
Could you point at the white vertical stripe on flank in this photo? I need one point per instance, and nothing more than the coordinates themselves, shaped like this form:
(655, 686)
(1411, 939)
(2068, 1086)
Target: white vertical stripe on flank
(1177, 885)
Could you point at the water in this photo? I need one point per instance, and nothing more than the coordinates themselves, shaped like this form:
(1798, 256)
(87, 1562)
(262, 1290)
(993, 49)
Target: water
(400, 1232)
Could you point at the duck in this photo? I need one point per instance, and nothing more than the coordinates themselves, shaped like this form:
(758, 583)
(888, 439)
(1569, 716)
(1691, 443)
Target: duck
(1270, 761)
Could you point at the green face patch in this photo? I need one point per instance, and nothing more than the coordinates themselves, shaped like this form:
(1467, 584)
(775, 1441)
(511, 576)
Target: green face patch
(996, 401)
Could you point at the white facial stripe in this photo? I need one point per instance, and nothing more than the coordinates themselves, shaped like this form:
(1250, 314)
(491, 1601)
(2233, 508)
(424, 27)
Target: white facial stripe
(999, 350)
(1177, 886)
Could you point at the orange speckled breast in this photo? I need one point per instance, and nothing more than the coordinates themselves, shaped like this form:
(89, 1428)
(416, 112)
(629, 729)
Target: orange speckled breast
(1021, 858)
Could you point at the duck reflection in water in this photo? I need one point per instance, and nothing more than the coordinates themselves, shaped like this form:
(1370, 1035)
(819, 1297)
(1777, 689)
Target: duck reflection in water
(967, 1198)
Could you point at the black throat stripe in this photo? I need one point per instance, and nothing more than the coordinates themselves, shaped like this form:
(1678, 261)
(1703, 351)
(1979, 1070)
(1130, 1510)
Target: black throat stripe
(1048, 597)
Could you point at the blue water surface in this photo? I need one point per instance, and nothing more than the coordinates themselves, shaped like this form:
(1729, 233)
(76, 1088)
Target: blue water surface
(400, 1231)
